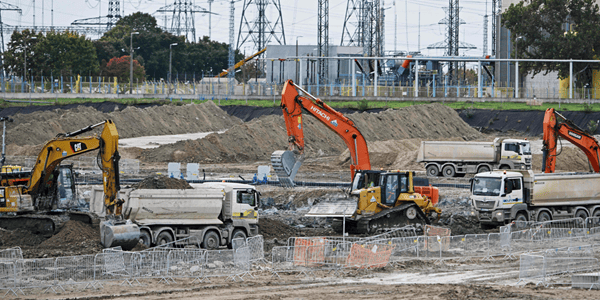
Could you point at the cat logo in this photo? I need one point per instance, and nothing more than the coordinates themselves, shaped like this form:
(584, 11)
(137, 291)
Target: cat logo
(78, 146)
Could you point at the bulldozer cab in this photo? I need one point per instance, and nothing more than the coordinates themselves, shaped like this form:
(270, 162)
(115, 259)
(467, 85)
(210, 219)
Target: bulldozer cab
(392, 185)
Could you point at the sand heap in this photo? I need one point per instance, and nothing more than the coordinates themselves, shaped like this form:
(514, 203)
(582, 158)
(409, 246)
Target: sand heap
(257, 139)
(38, 127)
(162, 182)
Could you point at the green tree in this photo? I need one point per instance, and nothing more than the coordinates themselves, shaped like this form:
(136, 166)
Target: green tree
(540, 26)
(204, 56)
(66, 53)
(21, 43)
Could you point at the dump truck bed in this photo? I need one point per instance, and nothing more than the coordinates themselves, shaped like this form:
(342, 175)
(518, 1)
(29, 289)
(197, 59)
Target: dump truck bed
(457, 151)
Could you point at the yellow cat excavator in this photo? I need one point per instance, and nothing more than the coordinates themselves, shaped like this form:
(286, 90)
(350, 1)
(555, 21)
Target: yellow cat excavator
(42, 204)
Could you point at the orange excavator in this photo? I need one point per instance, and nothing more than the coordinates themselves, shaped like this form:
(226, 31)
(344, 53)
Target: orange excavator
(383, 200)
(556, 125)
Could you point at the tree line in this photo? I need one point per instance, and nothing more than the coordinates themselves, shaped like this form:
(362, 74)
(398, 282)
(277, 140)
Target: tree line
(70, 54)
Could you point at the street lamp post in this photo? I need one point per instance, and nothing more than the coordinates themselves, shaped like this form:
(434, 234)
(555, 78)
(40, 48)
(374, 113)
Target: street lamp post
(170, 61)
(297, 57)
(4, 120)
(131, 61)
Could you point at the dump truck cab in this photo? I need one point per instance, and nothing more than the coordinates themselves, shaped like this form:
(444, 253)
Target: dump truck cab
(498, 197)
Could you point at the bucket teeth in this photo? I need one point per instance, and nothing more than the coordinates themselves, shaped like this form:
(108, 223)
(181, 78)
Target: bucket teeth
(286, 164)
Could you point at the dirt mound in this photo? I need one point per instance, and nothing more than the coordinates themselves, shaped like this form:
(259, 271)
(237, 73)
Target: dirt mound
(272, 228)
(19, 238)
(73, 233)
(257, 139)
(161, 183)
(38, 127)
(569, 160)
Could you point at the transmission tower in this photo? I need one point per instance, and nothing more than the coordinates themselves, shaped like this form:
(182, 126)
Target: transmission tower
(182, 17)
(110, 20)
(323, 39)
(496, 4)
(231, 61)
(260, 30)
(363, 26)
(6, 7)
(485, 34)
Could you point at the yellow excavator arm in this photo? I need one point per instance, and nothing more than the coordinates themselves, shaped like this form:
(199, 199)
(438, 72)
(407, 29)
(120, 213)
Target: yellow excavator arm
(69, 145)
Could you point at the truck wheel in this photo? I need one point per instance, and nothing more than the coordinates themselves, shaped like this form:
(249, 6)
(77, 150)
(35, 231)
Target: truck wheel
(433, 170)
(521, 217)
(448, 171)
(483, 169)
(581, 214)
(145, 238)
(211, 241)
(544, 217)
(237, 234)
(164, 238)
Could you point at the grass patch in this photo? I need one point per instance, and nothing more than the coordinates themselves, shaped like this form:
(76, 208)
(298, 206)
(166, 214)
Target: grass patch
(354, 104)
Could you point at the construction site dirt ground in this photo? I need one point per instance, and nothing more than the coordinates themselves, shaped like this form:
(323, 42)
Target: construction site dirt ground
(412, 279)
(228, 147)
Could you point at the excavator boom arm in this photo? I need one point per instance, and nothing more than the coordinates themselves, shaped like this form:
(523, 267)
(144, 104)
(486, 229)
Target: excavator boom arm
(67, 146)
(292, 104)
(556, 125)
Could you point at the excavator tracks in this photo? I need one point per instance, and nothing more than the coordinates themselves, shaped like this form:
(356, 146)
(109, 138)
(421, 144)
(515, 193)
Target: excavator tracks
(397, 217)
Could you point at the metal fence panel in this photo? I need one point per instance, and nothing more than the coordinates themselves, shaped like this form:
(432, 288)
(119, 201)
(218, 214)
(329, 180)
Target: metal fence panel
(257, 247)
(73, 270)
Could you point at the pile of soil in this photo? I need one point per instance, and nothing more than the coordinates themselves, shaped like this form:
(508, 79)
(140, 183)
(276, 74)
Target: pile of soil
(257, 139)
(38, 127)
(570, 159)
(19, 238)
(162, 182)
(74, 238)
(73, 233)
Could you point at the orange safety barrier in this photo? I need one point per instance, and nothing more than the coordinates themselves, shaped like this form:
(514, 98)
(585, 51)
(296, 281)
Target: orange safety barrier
(369, 256)
(440, 232)
(309, 252)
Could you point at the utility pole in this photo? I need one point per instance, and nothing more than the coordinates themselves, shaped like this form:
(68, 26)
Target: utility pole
(210, 17)
(131, 61)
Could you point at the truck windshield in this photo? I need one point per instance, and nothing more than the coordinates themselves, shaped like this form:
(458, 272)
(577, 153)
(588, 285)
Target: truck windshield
(526, 147)
(483, 186)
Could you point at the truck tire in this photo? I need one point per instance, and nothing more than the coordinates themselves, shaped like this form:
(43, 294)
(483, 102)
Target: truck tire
(483, 169)
(211, 241)
(544, 216)
(581, 214)
(164, 238)
(237, 234)
(145, 238)
(433, 171)
(448, 171)
(521, 217)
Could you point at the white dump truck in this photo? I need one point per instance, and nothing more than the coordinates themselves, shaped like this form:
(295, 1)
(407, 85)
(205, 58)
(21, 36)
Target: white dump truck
(500, 197)
(459, 158)
(214, 212)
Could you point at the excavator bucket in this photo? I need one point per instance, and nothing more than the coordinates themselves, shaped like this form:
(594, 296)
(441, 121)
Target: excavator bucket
(337, 209)
(286, 164)
(124, 234)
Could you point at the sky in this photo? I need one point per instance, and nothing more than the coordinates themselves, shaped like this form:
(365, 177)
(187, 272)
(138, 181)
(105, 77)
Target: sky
(299, 19)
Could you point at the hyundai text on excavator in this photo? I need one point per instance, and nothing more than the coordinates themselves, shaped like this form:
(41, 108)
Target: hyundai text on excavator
(556, 125)
(381, 200)
(42, 204)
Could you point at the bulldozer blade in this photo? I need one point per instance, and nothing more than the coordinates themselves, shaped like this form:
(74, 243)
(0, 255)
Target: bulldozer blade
(337, 209)
(124, 234)
(286, 165)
